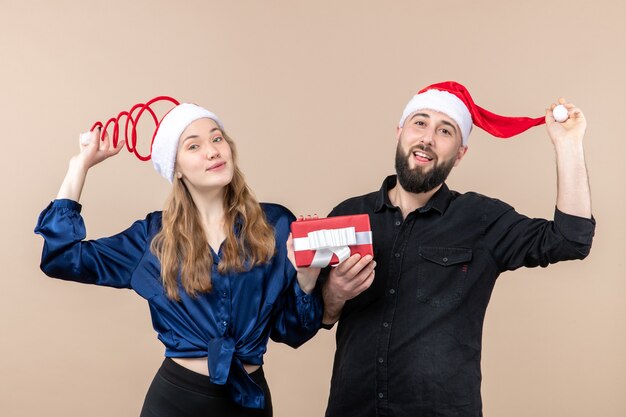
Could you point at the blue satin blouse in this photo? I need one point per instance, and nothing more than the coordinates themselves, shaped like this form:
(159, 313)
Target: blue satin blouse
(230, 325)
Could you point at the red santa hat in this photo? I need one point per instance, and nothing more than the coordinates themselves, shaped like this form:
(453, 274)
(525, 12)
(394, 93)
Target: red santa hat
(453, 100)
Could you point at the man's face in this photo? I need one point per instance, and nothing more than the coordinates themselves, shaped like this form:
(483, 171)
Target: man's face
(429, 146)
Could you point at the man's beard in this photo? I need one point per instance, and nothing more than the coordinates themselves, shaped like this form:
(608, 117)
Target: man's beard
(415, 180)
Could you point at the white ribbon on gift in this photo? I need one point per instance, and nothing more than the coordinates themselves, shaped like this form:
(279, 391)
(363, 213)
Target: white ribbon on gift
(327, 242)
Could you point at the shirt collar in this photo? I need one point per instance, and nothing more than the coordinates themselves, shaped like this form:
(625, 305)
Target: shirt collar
(439, 201)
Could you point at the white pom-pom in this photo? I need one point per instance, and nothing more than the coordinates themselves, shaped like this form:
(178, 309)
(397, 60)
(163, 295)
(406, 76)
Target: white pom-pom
(85, 138)
(560, 113)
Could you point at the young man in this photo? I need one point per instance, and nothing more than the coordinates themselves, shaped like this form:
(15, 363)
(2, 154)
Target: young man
(409, 339)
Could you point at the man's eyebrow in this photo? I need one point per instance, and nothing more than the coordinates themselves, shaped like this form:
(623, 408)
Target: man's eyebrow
(426, 115)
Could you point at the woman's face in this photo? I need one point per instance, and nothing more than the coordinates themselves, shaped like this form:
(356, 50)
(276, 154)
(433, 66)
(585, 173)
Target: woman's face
(204, 158)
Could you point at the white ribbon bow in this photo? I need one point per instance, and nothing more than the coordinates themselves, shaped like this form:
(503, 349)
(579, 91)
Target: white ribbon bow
(327, 242)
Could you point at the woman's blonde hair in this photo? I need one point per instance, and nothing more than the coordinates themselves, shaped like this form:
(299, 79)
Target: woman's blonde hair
(182, 247)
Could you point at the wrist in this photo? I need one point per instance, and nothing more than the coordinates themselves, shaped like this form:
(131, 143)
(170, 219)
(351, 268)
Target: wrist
(78, 166)
(307, 280)
(330, 318)
(327, 325)
(568, 146)
(333, 306)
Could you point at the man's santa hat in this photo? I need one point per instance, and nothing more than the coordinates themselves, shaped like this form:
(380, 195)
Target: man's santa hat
(453, 100)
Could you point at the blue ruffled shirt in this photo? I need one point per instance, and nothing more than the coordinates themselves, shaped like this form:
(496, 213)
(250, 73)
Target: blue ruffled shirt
(230, 325)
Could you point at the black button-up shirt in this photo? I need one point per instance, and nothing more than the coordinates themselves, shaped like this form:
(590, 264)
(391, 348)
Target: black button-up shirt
(410, 344)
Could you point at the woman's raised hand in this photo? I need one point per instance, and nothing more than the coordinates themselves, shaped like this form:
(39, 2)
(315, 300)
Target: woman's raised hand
(94, 150)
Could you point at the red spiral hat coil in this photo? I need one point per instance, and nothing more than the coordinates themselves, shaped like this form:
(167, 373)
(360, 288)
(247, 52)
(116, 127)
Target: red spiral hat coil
(132, 120)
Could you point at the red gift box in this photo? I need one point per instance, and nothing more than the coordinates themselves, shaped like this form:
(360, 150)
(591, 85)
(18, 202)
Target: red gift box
(330, 241)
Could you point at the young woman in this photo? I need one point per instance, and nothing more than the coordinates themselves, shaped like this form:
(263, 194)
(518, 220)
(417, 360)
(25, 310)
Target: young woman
(213, 266)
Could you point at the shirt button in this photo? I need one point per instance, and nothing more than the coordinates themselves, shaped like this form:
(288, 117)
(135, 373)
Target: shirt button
(380, 395)
(380, 360)
(445, 259)
(397, 255)
(224, 323)
(398, 222)
(385, 324)
(392, 291)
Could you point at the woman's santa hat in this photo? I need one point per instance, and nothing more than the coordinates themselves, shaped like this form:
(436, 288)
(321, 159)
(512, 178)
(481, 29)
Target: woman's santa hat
(453, 100)
(166, 136)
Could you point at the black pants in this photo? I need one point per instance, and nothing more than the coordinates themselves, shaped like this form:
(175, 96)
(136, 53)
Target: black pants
(179, 392)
